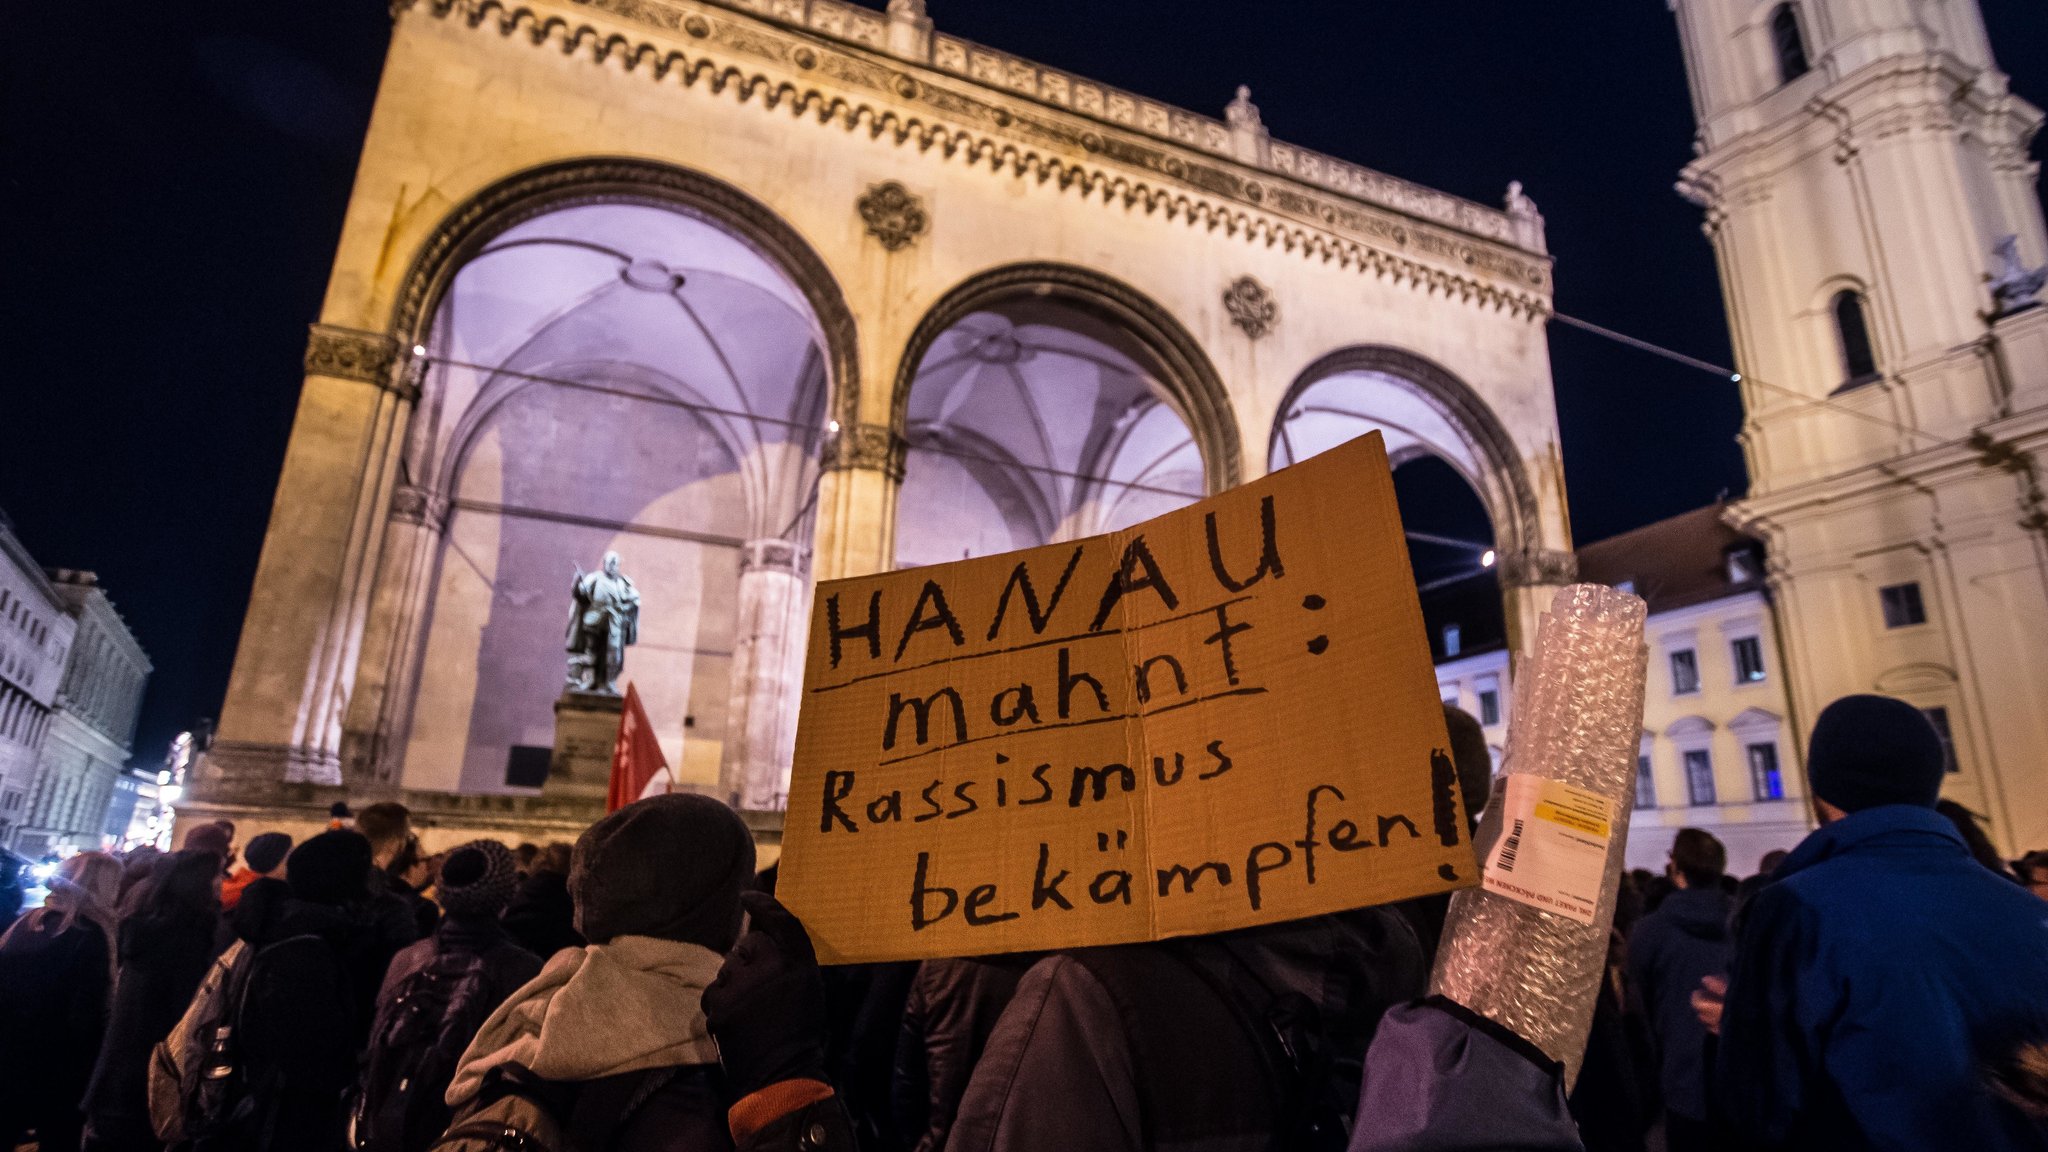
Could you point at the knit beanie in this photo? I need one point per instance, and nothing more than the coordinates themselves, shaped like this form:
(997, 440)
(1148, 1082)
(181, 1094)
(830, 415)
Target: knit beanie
(476, 881)
(214, 838)
(670, 866)
(267, 851)
(1873, 750)
(331, 868)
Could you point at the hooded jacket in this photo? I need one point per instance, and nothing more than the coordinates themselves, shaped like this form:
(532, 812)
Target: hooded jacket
(1875, 984)
(1684, 940)
(599, 1011)
(605, 1010)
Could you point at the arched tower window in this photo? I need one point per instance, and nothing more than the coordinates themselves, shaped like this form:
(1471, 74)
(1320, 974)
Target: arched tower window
(1789, 44)
(1859, 361)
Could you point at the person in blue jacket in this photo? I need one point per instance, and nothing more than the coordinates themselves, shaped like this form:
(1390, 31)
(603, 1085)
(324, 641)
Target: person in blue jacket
(1672, 949)
(1884, 981)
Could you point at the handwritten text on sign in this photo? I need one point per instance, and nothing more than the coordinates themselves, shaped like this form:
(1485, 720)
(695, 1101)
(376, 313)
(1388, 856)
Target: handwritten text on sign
(1221, 717)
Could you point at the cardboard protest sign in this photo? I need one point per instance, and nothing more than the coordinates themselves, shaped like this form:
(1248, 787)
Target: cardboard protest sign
(1221, 717)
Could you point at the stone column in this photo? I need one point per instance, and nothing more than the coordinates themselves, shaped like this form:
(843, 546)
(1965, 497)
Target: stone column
(767, 675)
(856, 533)
(380, 705)
(1529, 580)
(282, 719)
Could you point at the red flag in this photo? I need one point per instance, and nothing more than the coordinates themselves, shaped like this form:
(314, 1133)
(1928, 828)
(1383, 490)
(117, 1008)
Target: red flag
(636, 754)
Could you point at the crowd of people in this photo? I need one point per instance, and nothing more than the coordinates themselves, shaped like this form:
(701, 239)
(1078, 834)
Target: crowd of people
(1884, 984)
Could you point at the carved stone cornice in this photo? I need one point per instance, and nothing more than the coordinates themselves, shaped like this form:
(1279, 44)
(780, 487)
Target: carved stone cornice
(411, 504)
(1044, 140)
(872, 447)
(351, 354)
(1538, 566)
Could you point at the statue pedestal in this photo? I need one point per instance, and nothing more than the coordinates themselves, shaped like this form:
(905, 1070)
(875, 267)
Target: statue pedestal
(586, 727)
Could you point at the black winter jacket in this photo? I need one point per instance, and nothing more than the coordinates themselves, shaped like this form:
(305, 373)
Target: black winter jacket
(54, 994)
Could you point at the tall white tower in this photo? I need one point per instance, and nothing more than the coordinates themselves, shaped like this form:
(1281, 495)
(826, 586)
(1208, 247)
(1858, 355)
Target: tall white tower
(1859, 162)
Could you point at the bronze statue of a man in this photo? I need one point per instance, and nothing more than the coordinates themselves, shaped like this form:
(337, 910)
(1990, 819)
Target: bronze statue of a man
(604, 620)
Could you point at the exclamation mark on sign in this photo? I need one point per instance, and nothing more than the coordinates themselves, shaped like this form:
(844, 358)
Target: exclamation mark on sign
(1443, 777)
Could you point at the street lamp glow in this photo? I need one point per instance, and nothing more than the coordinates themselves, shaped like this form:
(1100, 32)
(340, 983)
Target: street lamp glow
(1487, 558)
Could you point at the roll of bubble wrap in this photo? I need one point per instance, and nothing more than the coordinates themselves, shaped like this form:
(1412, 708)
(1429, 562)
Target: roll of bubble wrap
(1578, 718)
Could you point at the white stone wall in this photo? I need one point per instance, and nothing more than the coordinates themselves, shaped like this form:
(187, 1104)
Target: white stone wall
(92, 726)
(35, 637)
(1890, 169)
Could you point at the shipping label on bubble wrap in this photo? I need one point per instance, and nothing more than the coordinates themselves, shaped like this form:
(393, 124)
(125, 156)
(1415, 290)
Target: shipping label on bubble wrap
(1552, 853)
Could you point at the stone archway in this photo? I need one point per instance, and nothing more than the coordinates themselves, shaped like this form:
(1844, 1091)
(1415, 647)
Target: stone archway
(1484, 452)
(624, 179)
(743, 712)
(1182, 368)
(1426, 408)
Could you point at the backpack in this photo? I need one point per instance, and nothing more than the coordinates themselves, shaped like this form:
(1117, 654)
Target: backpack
(517, 1111)
(415, 1045)
(174, 1062)
(222, 1107)
(1192, 1032)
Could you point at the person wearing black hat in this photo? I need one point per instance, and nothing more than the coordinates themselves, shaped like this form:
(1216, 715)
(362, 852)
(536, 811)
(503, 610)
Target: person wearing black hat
(1883, 966)
(311, 984)
(436, 995)
(623, 1020)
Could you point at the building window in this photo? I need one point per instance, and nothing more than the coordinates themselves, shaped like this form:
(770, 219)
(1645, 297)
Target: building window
(1764, 779)
(1685, 672)
(1454, 640)
(1646, 782)
(1939, 718)
(1789, 44)
(1699, 776)
(1903, 607)
(1749, 659)
(1859, 362)
(1489, 702)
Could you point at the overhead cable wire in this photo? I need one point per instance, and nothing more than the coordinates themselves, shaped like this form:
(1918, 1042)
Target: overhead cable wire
(1734, 377)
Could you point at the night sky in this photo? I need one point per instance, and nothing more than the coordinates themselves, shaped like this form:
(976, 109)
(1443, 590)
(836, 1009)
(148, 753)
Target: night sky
(175, 175)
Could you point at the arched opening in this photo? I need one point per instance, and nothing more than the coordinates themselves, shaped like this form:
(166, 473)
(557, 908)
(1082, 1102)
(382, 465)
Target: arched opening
(1852, 336)
(1788, 44)
(1464, 501)
(617, 373)
(1043, 404)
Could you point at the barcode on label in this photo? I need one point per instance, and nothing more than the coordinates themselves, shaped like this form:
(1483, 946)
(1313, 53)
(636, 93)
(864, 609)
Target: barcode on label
(1507, 850)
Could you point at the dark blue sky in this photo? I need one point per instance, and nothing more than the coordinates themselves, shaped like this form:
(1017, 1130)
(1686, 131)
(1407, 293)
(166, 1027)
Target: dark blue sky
(173, 178)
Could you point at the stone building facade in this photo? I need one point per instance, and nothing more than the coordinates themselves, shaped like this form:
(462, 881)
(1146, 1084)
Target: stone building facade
(92, 726)
(1865, 176)
(35, 638)
(760, 292)
(1719, 748)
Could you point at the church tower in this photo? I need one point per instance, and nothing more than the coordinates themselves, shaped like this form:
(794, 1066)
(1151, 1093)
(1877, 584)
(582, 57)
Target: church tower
(1864, 173)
